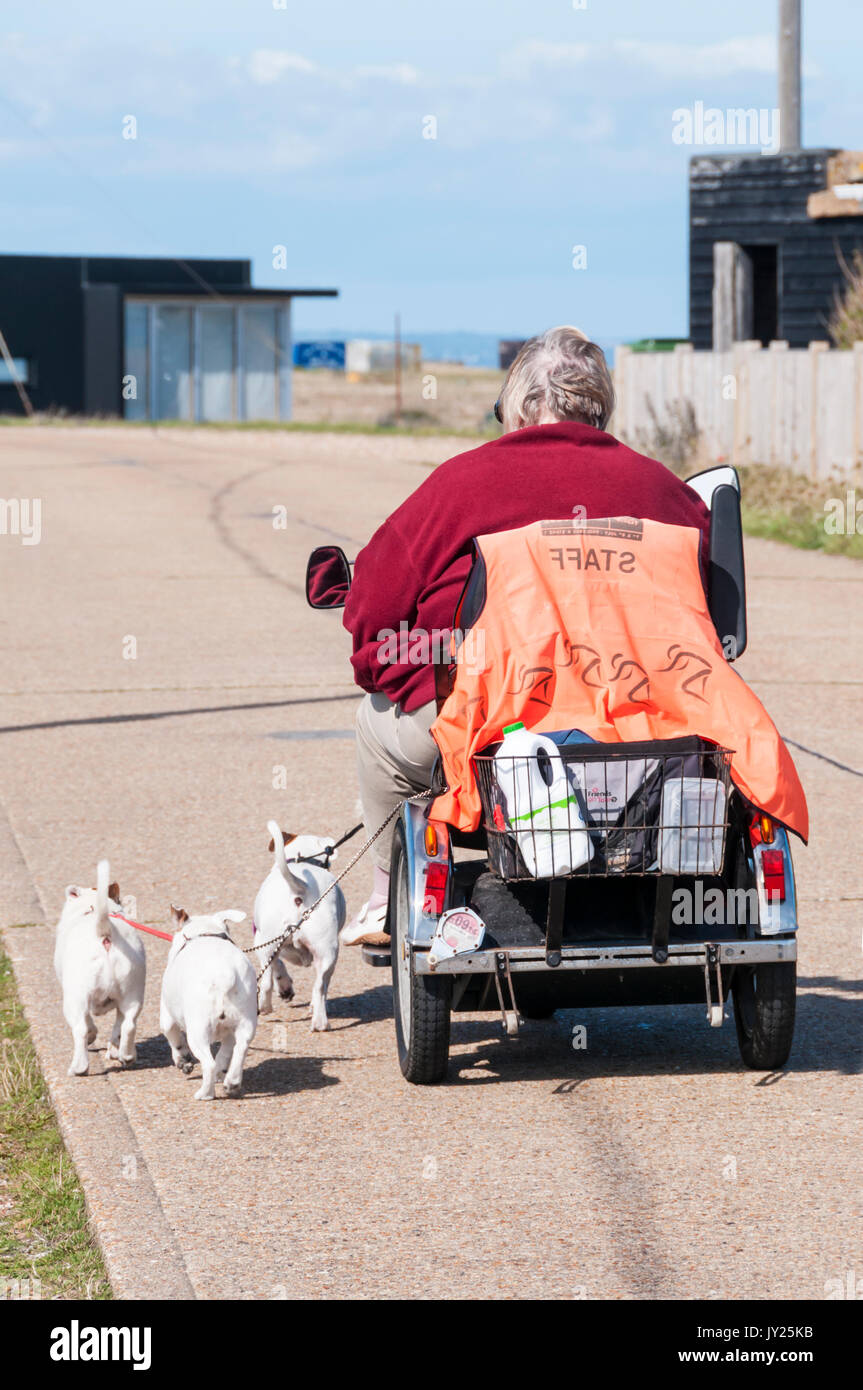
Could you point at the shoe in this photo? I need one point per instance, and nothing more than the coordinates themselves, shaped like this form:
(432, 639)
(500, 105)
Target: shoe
(367, 928)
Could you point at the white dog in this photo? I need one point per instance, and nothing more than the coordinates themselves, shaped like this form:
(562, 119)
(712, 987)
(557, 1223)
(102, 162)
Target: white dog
(101, 965)
(209, 996)
(289, 888)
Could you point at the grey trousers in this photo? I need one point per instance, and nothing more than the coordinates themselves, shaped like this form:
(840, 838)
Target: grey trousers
(395, 752)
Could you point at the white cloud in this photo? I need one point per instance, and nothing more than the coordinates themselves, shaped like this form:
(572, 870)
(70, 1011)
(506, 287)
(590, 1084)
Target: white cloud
(402, 73)
(756, 53)
(267, 65)
(522, 60)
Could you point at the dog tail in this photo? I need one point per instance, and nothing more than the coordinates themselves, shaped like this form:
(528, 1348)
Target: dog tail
(103, 919)
(296, 885)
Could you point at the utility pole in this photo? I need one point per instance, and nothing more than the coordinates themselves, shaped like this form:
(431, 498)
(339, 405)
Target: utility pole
(789, 74)
(14, 377)
(398, 367)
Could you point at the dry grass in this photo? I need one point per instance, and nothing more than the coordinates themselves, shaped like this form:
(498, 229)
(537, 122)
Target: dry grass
(775, 503)
(45, 1233)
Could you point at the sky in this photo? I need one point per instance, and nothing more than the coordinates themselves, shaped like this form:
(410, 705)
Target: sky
(303, 124)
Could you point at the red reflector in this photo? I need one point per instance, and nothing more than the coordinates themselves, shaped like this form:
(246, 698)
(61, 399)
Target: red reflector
(773, 866)
(435, 889)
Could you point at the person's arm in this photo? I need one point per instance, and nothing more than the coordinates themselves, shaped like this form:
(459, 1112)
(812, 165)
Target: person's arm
(384, 593)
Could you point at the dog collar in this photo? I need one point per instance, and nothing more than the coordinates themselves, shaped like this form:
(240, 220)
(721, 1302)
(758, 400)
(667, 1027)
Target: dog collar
(201, 935)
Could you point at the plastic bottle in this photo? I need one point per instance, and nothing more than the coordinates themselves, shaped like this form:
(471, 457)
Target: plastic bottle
(539, 804)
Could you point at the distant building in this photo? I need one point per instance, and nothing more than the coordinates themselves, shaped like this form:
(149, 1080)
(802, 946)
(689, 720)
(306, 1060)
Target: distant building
(378, 355)
(766, 236)
(146, 338)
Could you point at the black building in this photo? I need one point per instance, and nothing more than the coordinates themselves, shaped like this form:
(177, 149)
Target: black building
(767, 235)
(145, 338)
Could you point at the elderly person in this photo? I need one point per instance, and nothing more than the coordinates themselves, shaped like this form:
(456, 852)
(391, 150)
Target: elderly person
(553, 460)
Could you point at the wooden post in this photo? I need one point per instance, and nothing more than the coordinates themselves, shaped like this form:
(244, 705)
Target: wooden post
(732, 295)
(776, 366)
(815, 348)
(858, 389)
(620, 419)
(398, 367)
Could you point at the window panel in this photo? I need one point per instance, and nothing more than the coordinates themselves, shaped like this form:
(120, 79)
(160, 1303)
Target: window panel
(173, 363)
(216, 366)
(259, 362)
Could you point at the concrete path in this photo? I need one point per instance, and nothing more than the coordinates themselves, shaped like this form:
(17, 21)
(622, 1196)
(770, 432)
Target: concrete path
(650, 1166)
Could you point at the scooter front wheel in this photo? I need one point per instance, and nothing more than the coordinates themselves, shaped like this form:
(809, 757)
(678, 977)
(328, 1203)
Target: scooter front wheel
(421, 1003)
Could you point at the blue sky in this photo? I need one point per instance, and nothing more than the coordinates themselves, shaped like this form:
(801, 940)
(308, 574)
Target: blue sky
(302, 126)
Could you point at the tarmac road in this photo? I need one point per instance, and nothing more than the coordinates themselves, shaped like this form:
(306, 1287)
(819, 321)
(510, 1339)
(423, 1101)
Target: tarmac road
(165, 690)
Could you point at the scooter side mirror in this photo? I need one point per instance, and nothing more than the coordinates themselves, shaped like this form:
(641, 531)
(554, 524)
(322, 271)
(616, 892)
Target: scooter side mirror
(328, 577)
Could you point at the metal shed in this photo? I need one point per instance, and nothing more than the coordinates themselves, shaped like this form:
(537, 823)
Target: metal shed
(146, 338)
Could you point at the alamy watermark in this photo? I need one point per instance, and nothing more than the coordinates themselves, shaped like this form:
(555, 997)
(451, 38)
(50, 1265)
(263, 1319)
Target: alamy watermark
(714, 907)
(709, 125)
(21, 516)
(419, 646)
(844, 516)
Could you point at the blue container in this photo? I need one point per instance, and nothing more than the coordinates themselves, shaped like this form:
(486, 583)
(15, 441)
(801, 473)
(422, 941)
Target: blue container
(320, 354)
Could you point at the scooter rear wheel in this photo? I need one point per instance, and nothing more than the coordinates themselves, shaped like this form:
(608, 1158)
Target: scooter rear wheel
(421, 1003)
(765, 998)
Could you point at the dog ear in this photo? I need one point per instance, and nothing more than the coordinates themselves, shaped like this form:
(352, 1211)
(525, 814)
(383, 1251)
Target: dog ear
(179, 914)
(232, 915)
(73, 891)
(114, 892)
(287, 836)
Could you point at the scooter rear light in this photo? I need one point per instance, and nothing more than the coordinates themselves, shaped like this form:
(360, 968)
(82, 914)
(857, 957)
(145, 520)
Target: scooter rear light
(762, 831)
(773, 868)
(435, 894)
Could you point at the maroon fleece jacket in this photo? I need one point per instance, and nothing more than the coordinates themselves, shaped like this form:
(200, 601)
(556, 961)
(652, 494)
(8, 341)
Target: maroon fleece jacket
(415, 566)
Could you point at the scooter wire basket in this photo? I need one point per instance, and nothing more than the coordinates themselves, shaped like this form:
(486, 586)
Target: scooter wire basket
(601, 810)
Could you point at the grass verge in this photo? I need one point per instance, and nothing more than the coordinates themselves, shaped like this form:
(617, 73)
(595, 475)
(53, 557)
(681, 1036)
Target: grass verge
(791, 508)
(425, 431)
(44, 1230)
(788, 507)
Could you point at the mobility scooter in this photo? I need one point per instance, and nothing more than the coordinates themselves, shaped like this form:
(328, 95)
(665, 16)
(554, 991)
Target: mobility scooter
(674, 889)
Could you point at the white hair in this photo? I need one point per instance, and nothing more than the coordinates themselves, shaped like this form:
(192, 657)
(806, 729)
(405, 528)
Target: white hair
(559, 376)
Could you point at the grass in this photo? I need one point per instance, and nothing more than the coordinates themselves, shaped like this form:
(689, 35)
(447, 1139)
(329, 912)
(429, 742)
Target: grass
(44, 1229)
(256, 426)
(789, 507)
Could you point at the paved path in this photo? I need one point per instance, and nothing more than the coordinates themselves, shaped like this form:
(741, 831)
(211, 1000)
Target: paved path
(651, 1165)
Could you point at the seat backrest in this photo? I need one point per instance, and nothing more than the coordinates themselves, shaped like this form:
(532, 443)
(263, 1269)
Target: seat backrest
(719, 489)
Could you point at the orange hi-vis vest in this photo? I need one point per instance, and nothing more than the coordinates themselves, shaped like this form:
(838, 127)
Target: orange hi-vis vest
(603, 626)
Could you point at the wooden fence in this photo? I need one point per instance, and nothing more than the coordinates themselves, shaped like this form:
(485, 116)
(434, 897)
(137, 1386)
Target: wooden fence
(796, 408)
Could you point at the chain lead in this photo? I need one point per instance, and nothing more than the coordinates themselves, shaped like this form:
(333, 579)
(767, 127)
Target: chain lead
(277, 942)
